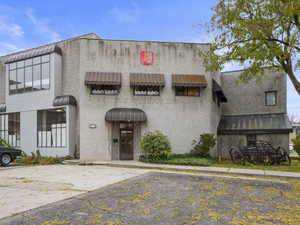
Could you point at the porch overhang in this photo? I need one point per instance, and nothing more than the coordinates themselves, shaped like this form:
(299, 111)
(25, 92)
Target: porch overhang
(125, 115)
(254, 124)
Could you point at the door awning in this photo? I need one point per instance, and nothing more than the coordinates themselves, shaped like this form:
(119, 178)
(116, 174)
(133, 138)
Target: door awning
(102, 78)
(218, 90)
(180, 80)
(125, 115)
(147, 79)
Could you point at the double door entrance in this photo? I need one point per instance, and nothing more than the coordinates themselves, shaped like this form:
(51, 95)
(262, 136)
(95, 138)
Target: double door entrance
(126, 141)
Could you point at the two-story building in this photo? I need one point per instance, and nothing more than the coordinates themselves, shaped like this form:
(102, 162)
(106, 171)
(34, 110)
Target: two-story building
(96, 98)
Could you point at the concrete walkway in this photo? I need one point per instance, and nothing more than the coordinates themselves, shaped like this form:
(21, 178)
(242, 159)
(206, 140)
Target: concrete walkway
(236, 171)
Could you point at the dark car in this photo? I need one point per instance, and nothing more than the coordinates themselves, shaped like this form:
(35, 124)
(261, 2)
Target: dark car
(8, 154)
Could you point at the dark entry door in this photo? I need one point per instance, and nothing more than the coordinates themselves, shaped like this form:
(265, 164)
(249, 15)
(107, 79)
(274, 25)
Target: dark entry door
(126, 142)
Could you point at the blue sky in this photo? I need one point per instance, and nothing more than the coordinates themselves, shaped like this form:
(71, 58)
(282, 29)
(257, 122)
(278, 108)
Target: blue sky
(29, 23)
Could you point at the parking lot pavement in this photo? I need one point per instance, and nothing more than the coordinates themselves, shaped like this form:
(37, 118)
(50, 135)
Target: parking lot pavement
(24, 188)
(170, 198)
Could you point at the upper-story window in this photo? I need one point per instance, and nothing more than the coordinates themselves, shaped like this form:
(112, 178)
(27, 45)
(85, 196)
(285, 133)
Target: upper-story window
(31, 74)
(105, 90)
(271, 98)
(187, 91)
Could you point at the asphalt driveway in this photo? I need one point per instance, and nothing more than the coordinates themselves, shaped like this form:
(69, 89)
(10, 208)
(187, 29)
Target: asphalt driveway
(170, 198)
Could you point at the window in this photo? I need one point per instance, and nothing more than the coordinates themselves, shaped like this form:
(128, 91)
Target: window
(51, 128)
(10, 128)
(29, 75)
(146, 91)
(251, 140)
(187, 91)
(271, 98)
(105, 90)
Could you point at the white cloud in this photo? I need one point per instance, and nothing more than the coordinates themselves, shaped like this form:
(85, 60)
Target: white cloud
(126, 15)
(6, 48)
(41, 26)
(10, 28)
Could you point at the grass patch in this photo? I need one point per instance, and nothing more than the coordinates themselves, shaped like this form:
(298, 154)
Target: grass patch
(40, 160)
(189, 160)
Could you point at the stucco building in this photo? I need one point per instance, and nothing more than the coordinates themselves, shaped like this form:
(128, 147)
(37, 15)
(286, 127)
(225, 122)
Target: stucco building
(96, 98)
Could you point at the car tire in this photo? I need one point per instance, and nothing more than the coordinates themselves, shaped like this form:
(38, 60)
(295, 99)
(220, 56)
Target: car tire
(5, 159)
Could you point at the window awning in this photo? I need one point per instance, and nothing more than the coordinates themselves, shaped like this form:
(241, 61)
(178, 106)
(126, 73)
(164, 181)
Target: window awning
(2, 108)
(33, 53)
(147, 79)
(102, 78)
(125, 115)
(179, 80)
(64, 100)
(254, 124)
(218, 90)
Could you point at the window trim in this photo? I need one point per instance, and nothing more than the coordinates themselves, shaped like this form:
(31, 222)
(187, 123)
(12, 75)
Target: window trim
(266, 100)
(187, 91)
(16, 68)
(159, 91)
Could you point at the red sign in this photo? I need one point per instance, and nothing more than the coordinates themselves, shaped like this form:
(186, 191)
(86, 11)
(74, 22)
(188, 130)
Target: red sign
(147, 57)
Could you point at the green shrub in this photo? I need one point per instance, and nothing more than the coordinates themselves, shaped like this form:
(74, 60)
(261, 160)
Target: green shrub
(155, 146)
(4, 142)
(202, 146)
(296, 143)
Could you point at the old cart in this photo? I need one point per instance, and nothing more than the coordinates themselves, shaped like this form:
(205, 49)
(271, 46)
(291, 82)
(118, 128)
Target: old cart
(260, 152)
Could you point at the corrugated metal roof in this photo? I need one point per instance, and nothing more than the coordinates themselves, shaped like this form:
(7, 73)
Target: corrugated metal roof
(180, 80)
(32, 53)
(2, 108)
(264, 123)
(64, 100)
(125, 115)
(103, 78)
(147, 79)
(218, 90)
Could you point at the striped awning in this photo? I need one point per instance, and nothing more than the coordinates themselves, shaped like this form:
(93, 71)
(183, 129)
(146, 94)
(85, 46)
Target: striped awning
(218, 90)
(147, 79)
(2, 108)
(33, 53)
(180, 80)
(64, 100)
(259, 123)
(125, 115)
(102, 78)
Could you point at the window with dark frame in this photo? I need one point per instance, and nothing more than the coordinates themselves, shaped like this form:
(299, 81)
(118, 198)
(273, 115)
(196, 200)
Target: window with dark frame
(105, 90)
(146, 91)
(10, 128)
(251, 139)
(271, 98)
(187, 91)
(29, 75)
(51, 128)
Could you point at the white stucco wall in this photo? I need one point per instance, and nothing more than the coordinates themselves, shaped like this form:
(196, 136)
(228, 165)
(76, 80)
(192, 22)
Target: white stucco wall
(182, 119)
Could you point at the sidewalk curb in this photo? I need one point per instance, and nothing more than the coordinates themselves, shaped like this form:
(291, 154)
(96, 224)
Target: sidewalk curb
(212, 170)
